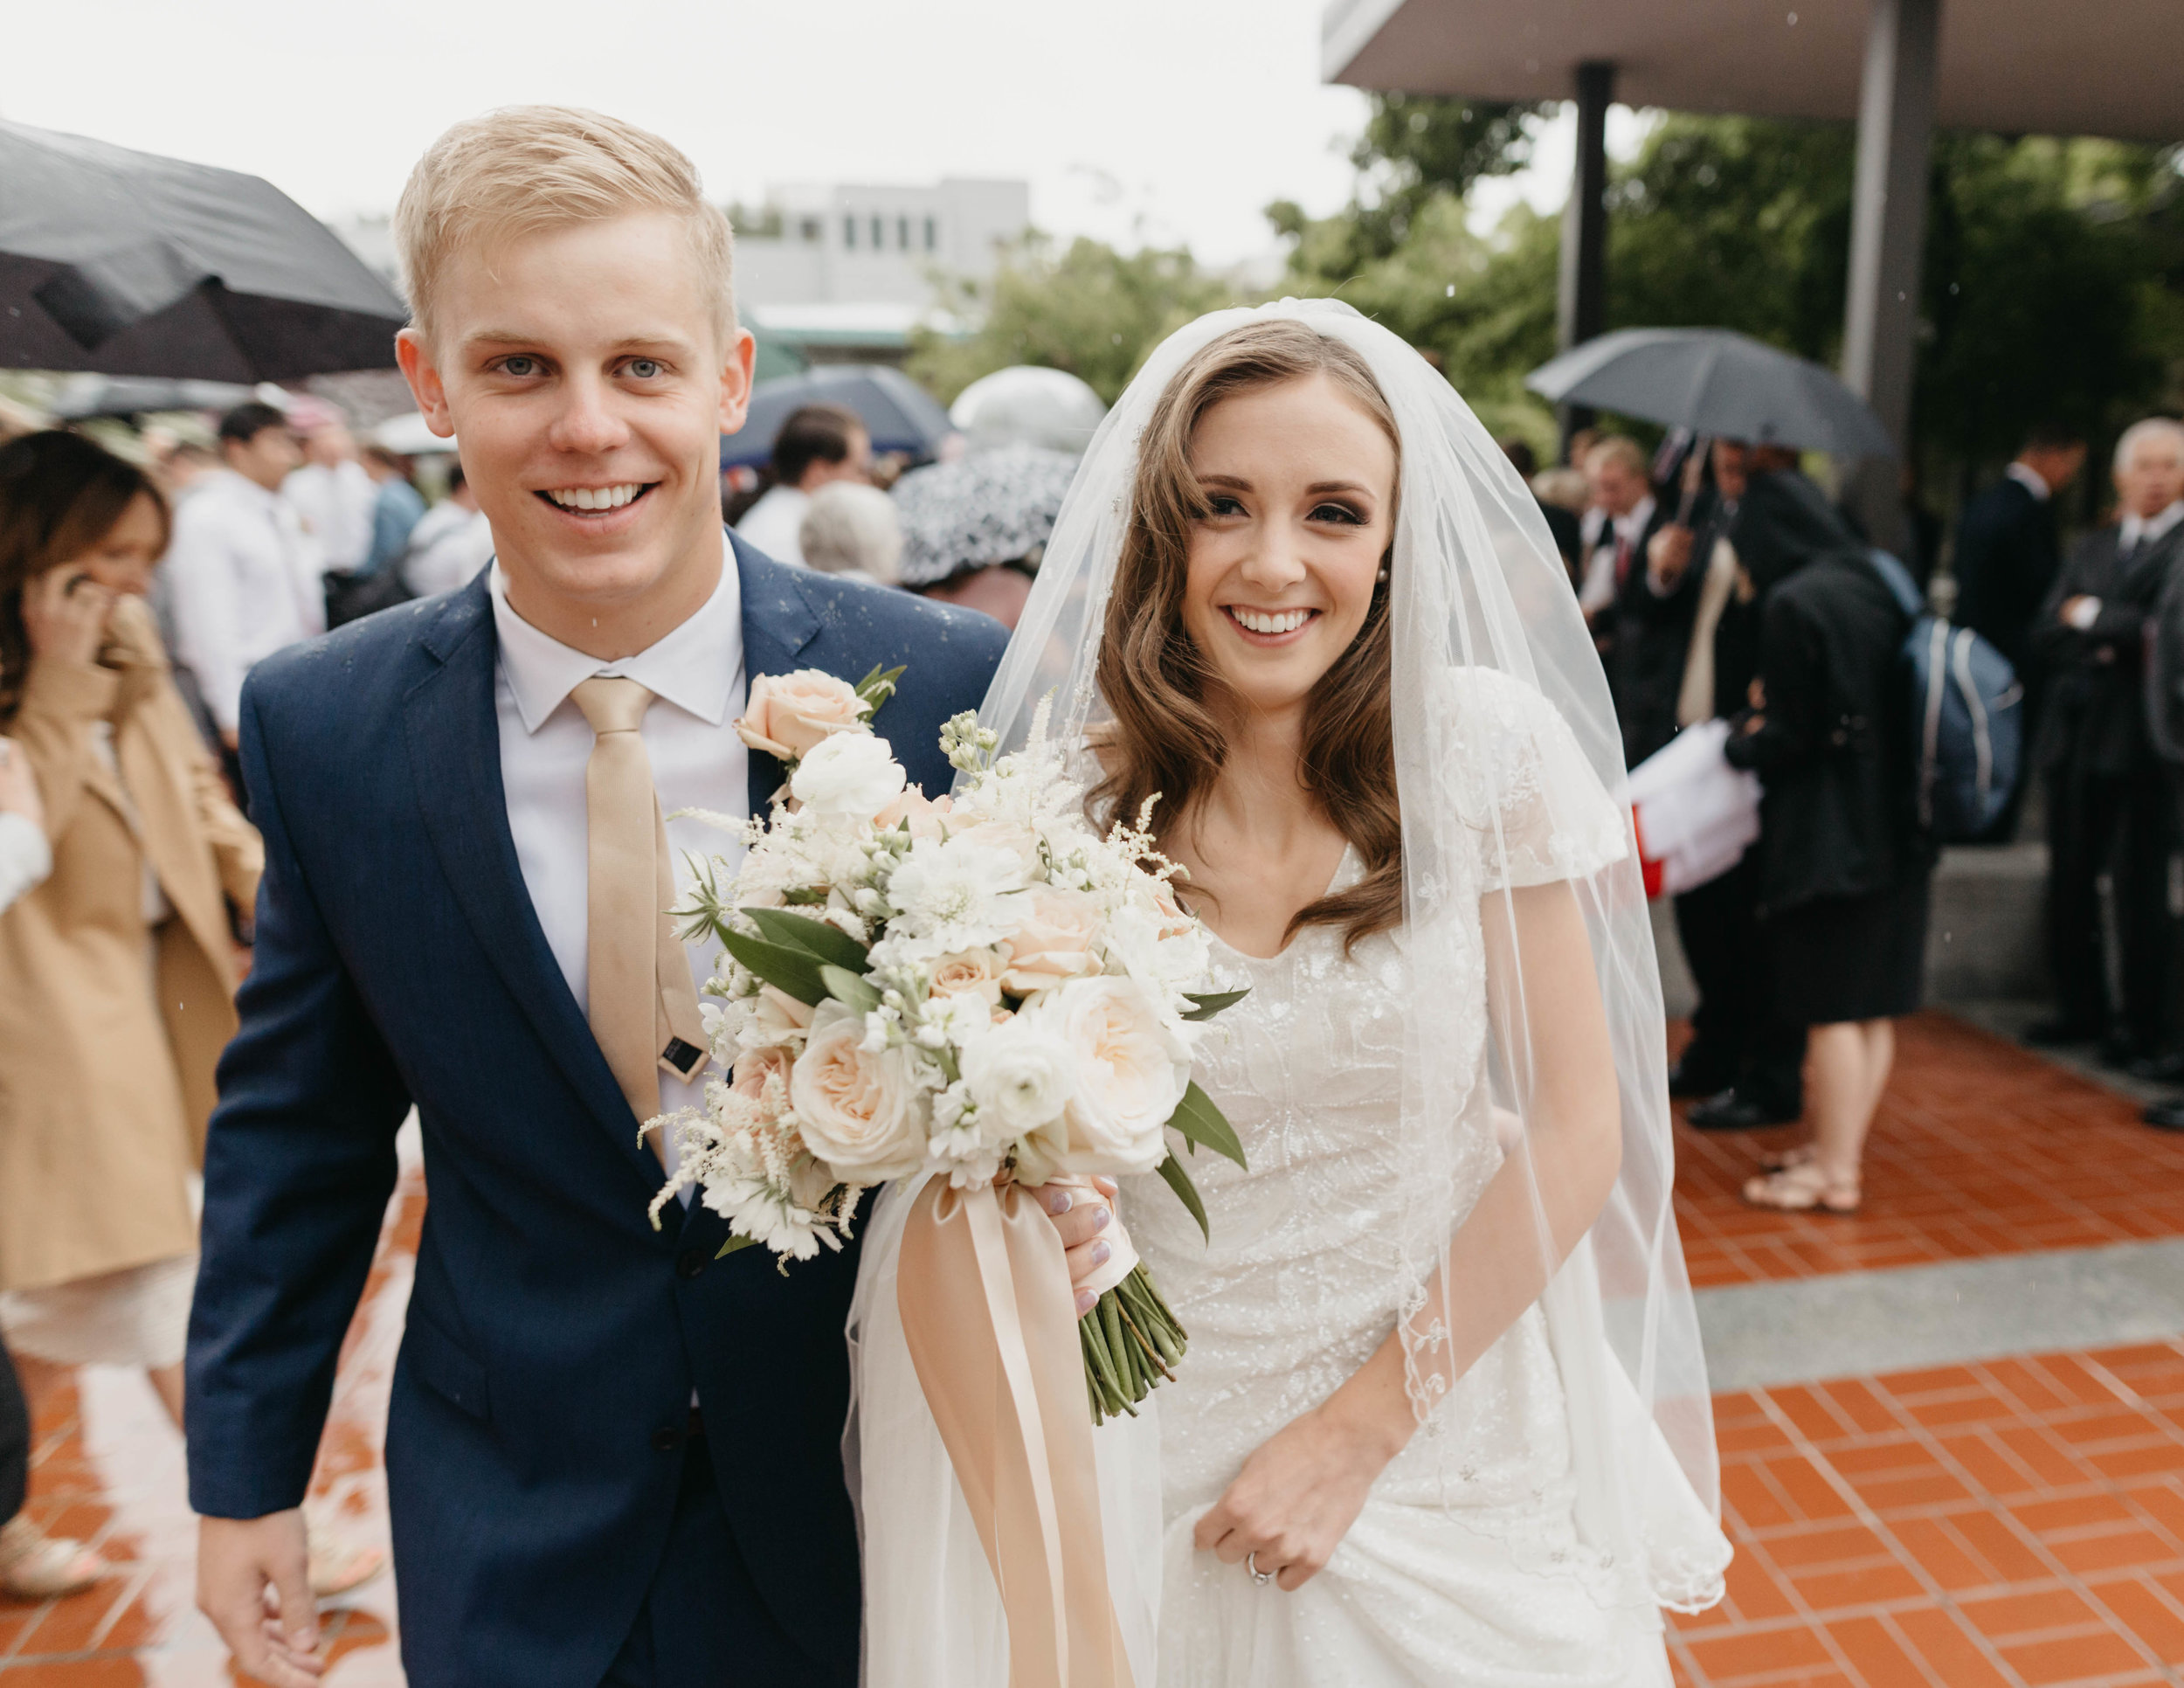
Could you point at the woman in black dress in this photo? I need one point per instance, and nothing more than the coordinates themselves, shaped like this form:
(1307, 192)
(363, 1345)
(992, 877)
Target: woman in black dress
(1843, 866)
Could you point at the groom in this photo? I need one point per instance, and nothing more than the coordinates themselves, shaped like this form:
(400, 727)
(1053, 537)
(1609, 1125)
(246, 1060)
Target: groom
(612, 1456)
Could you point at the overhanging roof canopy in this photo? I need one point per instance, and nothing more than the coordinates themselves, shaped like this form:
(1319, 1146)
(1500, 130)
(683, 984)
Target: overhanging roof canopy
(2019, 66)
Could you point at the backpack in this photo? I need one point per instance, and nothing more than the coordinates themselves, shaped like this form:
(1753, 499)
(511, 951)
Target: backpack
(1967, 718)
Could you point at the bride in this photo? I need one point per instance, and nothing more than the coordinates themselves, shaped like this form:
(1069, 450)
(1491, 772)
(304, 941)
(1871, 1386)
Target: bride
(1443, 1418)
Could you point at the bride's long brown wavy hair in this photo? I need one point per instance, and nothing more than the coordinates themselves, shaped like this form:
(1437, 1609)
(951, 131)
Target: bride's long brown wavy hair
(1166, 738)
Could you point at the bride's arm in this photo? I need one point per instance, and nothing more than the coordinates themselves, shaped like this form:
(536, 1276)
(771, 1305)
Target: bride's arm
(1298, 1495)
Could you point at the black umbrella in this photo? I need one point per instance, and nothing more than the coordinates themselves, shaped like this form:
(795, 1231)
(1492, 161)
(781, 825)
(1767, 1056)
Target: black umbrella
(899, 415)
(125, 263)
(85, 396)
(1714, 382)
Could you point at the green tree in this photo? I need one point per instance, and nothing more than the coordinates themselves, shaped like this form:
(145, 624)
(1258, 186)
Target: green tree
(1089, 308)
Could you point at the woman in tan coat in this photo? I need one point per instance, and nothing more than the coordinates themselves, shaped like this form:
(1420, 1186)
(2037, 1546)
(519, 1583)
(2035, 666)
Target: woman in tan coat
(119, 972)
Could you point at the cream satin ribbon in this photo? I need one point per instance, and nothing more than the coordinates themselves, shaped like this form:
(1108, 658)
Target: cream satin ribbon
(989, 1317)
(641, 1004)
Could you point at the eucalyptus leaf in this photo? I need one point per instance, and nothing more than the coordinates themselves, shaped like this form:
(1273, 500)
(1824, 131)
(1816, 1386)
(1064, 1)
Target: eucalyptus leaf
(1173, 1174)
(1201, 1122)
(1206, 1004)
(849, 988)
(798, 931)
(796, 972)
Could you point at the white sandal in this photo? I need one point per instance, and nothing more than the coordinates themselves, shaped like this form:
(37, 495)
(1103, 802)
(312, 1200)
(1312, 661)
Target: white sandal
(34, 1565)
(1805, 1187)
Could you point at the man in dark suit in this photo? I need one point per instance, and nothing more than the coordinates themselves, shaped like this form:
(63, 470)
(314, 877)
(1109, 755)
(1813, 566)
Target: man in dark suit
(2009, 550)
(612, 1455)
(2108, 803)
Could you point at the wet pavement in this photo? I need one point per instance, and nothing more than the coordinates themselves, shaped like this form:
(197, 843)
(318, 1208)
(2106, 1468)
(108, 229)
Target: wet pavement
(1971, 1475)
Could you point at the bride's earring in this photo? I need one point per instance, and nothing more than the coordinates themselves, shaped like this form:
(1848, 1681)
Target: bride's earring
(1382, 576)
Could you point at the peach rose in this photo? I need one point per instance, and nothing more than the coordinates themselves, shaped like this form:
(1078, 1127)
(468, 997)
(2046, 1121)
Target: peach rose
(925, 814)
(789, 714)
(856, 1107)
(969, 972)
(1054, 941)
(777, 1018)
(756, 1069)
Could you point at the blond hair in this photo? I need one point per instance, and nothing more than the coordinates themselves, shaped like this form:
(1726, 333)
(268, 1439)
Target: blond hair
(1618, 448)
(523, 169)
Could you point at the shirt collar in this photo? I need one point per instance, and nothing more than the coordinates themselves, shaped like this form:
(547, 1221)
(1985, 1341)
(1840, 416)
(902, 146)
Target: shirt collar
(2141, 529)
(1633, 523)
(2030, 479)
(697, 666)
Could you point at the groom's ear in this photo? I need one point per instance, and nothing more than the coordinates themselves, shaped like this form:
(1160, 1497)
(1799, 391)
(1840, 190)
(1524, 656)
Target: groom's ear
(419, 369)
(735, 374)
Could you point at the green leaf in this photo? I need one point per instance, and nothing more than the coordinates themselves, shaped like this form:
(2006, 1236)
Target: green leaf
(796, 972)
(805, 894)
(1171, 1173)
(878, 686)
(735, 1245)
(814, 937)
(1200, 1122)
(850, 988)
(1206, 1004)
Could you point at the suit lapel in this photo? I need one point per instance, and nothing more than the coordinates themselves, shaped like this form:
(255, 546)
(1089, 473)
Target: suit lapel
(455, 755)
(779, 623)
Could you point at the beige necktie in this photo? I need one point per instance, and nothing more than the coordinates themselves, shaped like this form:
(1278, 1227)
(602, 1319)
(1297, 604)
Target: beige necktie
(643, 1009)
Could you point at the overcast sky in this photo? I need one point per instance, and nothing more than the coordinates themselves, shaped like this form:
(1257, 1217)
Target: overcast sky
(1180, 118)
(1163, 121)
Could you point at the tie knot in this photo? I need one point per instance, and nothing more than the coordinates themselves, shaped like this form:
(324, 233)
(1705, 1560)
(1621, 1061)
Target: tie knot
(611, 703)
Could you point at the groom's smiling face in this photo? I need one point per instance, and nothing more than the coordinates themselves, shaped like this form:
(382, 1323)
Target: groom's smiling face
(582, 370)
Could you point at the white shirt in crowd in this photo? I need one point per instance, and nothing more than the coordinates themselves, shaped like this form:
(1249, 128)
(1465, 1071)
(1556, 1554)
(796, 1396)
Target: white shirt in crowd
(1598, 590)
(698, 763)
(772, 524)
(25, 857)
(246, 581)
(2131, 533)
(2030, 479)
(448, 545)
(336, 504)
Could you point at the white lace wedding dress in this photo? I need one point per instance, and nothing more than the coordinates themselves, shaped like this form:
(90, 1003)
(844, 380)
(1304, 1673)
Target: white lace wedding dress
(1479, 1558)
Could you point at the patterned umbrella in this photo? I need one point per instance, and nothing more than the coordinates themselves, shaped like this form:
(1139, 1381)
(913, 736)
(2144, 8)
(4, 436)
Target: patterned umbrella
(989, 507)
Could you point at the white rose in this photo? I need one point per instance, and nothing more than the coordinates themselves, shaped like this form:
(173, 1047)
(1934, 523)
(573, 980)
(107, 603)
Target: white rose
(1020, 1075)
(1132, 1071)
(851, 775)
(857, 1109)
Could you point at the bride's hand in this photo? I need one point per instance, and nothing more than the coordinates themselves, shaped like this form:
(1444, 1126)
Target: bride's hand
(1297, 1495)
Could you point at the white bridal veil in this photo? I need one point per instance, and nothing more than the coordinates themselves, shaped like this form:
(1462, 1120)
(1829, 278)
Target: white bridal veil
(1501, 780)
(1475, 582)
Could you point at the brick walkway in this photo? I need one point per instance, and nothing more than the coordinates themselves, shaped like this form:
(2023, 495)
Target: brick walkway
(2019, 1522)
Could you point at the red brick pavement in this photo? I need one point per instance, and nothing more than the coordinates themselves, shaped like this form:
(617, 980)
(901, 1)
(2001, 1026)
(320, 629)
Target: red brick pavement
(2019, 1523)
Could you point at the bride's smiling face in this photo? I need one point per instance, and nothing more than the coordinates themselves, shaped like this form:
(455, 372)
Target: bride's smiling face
(1299, 481)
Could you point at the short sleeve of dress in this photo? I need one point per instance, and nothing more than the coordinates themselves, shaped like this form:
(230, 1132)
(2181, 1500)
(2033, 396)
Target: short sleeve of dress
(1536, 809)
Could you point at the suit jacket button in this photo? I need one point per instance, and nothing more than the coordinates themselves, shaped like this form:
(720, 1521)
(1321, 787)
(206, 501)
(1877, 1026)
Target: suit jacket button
(666, 1439)
(690, 1263)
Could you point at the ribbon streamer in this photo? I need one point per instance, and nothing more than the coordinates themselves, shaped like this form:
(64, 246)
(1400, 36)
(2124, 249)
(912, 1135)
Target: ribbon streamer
(989, 1318)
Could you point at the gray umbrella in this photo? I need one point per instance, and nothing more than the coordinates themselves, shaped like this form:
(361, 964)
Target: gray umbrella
(125, 263)
(991, 507)
(1716, 381)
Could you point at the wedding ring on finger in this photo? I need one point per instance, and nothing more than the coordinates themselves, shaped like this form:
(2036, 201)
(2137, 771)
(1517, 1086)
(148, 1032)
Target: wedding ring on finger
(1251, 1564)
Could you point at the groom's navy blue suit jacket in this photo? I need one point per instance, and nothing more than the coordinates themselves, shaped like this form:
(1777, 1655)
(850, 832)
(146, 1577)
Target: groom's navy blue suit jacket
(554, 1337)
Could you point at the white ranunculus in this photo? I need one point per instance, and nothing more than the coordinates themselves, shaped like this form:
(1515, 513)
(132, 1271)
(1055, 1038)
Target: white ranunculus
(1020, 1075)
(858, 1108)
(1132, 1071)
(851, 775)
(955, 896)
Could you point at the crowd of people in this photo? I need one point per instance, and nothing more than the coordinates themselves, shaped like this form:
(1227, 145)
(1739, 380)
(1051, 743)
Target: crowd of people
(1722, 584)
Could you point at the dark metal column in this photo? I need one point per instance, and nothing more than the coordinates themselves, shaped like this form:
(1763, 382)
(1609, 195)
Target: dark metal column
(1888, 230)
(1581, 300)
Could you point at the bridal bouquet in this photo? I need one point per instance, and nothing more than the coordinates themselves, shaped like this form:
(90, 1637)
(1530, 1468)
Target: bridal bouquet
(974, 988)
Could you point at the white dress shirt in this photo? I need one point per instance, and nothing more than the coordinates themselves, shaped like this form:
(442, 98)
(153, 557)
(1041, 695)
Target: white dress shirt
(2131, 533)
(774, 523)
(698, 763)
(2030, 479)
(336, 503)
(25, 857)
(246, 581)
(448, 545)
(1600, 584)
